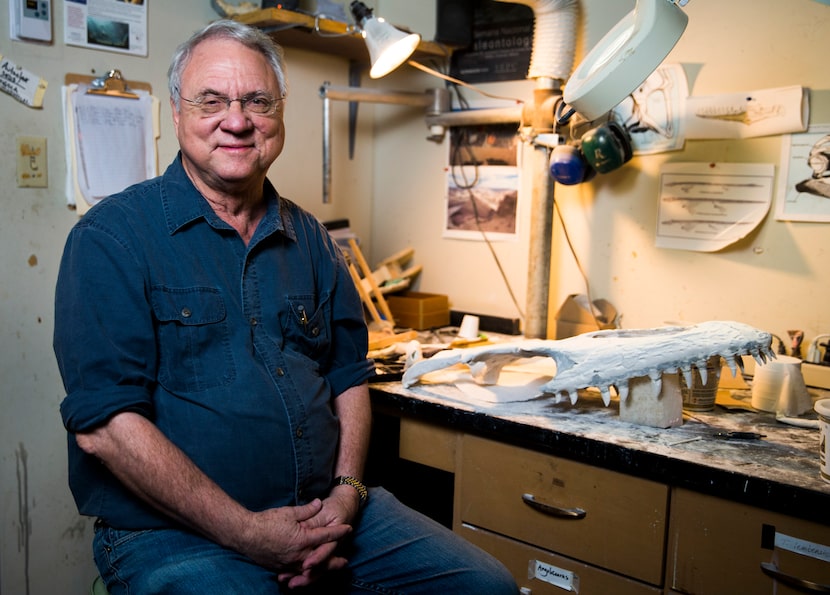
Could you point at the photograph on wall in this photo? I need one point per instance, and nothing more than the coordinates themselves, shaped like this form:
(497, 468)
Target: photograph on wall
(111, 25)
(482, 183)
(804, 194)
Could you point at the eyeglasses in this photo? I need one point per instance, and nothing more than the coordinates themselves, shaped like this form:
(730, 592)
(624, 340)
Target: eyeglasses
(260, 104)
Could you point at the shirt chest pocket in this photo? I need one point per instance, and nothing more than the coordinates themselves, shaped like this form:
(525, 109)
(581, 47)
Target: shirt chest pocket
(305, 328)
(193, 338)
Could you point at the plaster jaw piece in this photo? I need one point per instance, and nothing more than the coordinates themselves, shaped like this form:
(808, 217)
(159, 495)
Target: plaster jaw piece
(607, 358)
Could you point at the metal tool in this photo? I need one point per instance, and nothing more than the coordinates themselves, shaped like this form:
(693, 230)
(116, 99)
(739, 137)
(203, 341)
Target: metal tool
(739, 435)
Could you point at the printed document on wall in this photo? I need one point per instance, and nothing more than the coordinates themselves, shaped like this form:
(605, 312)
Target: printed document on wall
(706, 207)
(111, 144)
(111, 25)
(804, 193)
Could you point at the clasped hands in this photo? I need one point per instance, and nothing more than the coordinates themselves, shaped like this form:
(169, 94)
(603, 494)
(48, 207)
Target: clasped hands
(300, 542)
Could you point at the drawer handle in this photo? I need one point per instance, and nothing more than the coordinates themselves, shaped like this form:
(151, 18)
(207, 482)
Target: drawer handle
(800, 584)
(566, 513)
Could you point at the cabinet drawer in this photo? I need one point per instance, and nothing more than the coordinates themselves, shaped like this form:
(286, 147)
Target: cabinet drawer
(427, 444)
(619, 522)
(532, 567)
(717, 547)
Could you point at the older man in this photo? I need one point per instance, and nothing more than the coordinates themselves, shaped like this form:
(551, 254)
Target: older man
(213, 350)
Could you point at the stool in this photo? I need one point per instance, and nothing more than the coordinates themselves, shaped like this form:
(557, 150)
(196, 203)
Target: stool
(98, 587)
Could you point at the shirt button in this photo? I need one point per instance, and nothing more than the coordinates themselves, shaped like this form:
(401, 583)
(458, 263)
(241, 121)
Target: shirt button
(280, 372)
(315, 331)
(299, 432)
(186, 312)
(254, 322)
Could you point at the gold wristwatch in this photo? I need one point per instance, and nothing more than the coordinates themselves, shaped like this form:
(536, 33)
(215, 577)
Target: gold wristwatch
(347, 480)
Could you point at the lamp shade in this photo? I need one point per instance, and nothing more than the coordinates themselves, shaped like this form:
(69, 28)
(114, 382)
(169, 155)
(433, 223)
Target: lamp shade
(388, 47)
(625, 57)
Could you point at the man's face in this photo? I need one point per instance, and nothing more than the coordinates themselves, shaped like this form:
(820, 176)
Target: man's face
(230, 151)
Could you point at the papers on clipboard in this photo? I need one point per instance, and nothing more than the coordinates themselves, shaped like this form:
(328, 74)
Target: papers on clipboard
(110, 141)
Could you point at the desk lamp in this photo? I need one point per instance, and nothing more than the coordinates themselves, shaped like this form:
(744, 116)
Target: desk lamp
(388, 47)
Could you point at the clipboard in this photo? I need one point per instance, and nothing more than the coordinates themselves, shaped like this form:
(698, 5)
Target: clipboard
(115, 152)
(111, 84)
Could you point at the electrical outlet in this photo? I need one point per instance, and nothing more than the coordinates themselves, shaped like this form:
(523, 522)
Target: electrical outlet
(31, 162)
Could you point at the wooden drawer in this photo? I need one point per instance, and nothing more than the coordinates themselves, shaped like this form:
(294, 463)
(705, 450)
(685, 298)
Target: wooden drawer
(717, 547)
(429, 445)
(544, 573)
(620, 521)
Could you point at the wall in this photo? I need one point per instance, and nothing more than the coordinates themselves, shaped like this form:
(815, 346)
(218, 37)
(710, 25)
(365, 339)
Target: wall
(44, 544)
(777, 278)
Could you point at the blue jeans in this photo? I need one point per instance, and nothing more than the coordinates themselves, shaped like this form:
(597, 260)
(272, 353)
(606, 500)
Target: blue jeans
(393, 550)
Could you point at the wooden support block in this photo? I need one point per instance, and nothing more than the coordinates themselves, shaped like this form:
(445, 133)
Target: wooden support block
(643, 408)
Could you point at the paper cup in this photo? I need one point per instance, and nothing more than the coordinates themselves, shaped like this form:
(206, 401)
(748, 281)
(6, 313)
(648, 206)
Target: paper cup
(469, 327)
(822, 407)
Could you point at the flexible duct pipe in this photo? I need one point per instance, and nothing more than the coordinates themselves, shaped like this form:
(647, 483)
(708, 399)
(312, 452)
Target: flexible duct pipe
(552, 59)
(554, 37)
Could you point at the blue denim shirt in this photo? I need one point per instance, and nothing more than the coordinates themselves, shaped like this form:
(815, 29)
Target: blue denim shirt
(235, 352)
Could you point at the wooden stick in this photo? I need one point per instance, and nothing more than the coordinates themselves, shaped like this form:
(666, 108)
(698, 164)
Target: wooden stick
(367, 272)
(367, 299)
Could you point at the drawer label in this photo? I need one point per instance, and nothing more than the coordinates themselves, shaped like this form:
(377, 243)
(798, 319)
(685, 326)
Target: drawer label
(558, 577)
(803, 547)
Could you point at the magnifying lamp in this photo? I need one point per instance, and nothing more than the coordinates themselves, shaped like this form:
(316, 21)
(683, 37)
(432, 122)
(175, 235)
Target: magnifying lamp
(625, 57)
(388, 46)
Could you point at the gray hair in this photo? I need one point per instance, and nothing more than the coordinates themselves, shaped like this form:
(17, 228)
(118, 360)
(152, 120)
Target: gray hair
(250, 37)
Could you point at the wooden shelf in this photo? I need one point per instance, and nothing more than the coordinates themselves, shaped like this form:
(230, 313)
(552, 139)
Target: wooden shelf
(299, 30)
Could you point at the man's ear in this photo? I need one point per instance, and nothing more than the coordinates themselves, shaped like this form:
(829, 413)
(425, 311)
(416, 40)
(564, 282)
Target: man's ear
(175, 114)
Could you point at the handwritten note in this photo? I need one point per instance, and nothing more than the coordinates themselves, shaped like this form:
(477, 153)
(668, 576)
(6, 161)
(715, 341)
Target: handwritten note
(114, 142)
(26, 87)
(559, 577)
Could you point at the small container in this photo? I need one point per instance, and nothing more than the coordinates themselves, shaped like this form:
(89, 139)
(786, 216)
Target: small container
(701, 395)
(822, 407)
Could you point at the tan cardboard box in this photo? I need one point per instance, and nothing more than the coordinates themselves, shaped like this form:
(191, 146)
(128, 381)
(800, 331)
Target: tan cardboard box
(417, 310)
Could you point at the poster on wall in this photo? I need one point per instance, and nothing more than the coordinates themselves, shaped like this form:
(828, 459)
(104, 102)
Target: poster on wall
(502, 42)
(804, 194)
(653, 113)
(705, 207)
(483, 183)
(112, 25)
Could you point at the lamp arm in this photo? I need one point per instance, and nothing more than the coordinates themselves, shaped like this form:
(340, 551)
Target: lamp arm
(328, 91)
(435, 100)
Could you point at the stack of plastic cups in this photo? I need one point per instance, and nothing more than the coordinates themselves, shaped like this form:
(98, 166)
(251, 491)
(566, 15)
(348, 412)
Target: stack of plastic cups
(778, 386)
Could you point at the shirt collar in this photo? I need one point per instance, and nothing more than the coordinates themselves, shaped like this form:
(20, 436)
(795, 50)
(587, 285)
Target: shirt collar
(184, 204)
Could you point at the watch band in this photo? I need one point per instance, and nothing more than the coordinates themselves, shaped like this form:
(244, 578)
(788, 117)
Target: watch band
(354, 482)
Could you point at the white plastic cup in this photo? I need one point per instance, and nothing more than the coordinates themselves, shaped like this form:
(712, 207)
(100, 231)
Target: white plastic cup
(822, 407)
(469, 327)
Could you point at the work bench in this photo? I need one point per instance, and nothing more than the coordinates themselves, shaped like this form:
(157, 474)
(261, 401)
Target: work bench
(568, 496)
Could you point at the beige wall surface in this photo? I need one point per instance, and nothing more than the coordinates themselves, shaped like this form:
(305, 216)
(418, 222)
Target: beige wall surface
(392, 192)
(776, 278)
